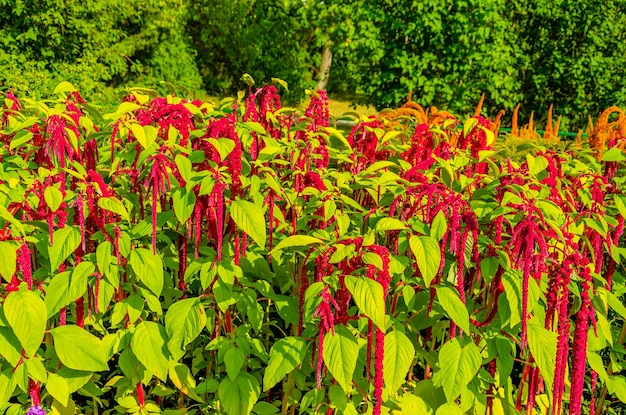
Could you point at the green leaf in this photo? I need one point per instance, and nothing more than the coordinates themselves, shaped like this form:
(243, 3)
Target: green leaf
(412, 404)
(369, 297)
(469, 125)
(439, 226)
(449, 408)
(614, 154)
(7, 386)
(458, 365)
(454, 307)
(223, 146)
(249, 218)
(8, 265)
(183, 380)
(58, 388)
(617, 386)
(233, 359)
(65, 241)
(389, 224)
(285, 355)
(340, 354)
(21, 137)
(296, 241)
(53, 198)
(428, 256)
(149, 345)
(399, 353)
(542, 344)
(113, 204)
(149, 269)
(615, 304)
(184, 204)
(10, 346)
(184, 321)
(64, 88)
(184, 167)
(238, 396)
(78, 349)
(598, 366)
(26, 314)
(67, 287)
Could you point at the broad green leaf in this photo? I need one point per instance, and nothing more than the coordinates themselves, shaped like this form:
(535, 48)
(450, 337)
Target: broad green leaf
(234, 359)
(139, 134)
(285, 355)
(340, 354)
(184, 204)
(439, 226)
(542, 344)
(53, 198)
(616, 304)
(67, 287)
(78, 349)
(458, 365)
(65, 241)
(596, 363)
(620, 205)
(413, 405)
(369, 297)
(10, 346)
(614, 154)
(249, 218)
(149, 269)
(183, 380)
(7, 385)
(113, 204)
(75, 379)
(469, 125)
(149, 345)
(223, 146)
(264, 408)
(64, 88)
(296, 241)
(428, 256)
(389, 224)
(58, 409)
(21, 137)
(184, 321)
(399, 353)
(8, 265)
(454, 307)
(26, 314)
(184, 167)
(124, 108)
(58, 388)
(617, 385)
(239, 396)
(449, 409)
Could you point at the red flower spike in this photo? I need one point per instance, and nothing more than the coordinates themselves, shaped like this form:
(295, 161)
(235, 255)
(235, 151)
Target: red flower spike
(579, 347)
(25, 264)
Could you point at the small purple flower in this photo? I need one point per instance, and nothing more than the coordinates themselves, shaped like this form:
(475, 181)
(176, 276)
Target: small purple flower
(36, 410)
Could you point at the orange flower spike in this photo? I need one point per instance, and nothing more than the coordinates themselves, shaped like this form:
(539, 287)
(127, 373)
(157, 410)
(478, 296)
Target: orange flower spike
(514, 129)
(555, 130)
(579, 143)
(531, 131)
(479, 107)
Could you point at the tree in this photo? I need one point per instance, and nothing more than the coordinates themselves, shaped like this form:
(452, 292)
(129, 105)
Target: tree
(97, 45)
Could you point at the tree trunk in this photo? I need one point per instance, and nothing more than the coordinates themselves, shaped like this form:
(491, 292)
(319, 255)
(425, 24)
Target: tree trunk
(327, 60)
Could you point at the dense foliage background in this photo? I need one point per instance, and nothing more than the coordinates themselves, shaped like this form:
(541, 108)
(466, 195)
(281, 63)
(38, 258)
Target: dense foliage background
(445, 53)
